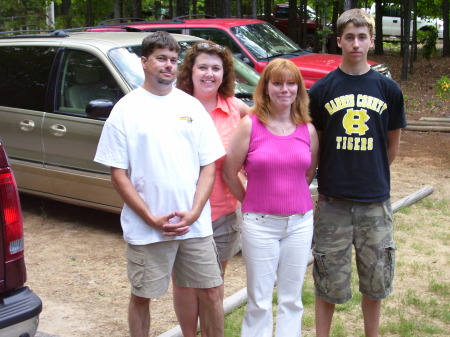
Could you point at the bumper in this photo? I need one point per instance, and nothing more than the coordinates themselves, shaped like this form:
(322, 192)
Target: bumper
(19, 313)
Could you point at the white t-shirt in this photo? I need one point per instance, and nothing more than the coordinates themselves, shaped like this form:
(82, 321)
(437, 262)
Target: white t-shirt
(162, 141)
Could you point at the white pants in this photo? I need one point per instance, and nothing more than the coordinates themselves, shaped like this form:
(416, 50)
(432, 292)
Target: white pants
(275, 247)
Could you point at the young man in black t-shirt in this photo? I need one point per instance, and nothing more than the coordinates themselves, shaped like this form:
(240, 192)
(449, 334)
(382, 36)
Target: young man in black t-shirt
(358, 114)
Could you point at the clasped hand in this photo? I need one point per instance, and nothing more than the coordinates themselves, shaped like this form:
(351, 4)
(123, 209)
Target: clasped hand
(186, 219)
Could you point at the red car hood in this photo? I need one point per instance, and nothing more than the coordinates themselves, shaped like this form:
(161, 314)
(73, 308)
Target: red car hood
(315, 66)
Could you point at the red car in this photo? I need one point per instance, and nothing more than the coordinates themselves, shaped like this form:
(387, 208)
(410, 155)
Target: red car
(19, 306)
(255, 42)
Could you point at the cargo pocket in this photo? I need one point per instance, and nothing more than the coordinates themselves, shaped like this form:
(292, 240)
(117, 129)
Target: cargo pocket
(389, 265)
(136, 267)
(319, 272)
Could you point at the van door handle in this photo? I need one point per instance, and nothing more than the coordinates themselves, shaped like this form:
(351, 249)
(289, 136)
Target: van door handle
(58, 130)
(26, 125)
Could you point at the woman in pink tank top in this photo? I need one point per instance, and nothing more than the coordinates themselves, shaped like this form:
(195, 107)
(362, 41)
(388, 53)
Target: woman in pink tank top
(277, 145)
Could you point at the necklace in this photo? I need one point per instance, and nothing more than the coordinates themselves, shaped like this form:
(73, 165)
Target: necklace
(285, 129)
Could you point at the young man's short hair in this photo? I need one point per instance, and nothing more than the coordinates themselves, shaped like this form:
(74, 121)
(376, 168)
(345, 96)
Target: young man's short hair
(358, 17)
(157, 40)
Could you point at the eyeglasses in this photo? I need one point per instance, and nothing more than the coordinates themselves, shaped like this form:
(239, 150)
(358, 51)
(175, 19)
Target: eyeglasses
(205, 45)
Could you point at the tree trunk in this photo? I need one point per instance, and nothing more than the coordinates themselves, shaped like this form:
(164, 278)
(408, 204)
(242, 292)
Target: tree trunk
(209, 7)
(414, 39)
(333, 40)
(304, 21)
(116, 9)
(239, 8)
(379, 28)
(349, 4)
(414, 34)
(254, 4)
(89, 18)
(268, 11)
(65, 9)
(323, 22)
(446, 18)
(226, 9)
(218, 8)
(170, 8)
(292, 25)
(407, 25)
(65, 6)
(137, 8)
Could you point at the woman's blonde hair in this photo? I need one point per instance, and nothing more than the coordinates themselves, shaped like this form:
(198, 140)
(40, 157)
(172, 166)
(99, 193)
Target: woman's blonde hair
(281, 70)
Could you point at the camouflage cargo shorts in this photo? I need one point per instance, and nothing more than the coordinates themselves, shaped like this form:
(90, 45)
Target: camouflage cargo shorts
(340, 224)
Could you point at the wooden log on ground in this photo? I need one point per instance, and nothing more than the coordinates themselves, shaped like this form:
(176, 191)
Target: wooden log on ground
(428, 128)
(412, 198)
(427, 123)
(435, 119)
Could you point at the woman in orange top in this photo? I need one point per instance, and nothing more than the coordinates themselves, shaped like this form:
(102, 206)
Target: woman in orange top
(208, 74)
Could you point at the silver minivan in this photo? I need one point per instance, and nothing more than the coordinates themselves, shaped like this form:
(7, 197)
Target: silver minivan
(56, 91)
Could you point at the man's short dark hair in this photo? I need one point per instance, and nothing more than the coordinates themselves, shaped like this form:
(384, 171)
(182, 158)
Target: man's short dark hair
(158, 40)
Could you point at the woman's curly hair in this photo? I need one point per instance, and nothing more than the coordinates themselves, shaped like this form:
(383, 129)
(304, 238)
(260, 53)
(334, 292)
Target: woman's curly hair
(184, 80)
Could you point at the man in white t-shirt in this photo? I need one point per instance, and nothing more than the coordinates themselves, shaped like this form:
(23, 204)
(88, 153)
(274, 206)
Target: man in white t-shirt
(161, 146)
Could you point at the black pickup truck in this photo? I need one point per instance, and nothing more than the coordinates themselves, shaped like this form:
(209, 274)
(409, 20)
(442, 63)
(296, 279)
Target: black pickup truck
(19, 306)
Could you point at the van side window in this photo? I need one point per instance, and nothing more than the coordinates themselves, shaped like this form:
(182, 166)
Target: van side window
(84, 78)
(24, 74)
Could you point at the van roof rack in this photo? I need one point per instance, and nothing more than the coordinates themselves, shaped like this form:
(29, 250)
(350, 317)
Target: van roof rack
(12, 34)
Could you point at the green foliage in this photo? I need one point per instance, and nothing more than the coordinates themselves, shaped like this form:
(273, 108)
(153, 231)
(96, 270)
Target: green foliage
(325, 33)
(443, 87)
(16, 15)
(440, 288)
(428, 39)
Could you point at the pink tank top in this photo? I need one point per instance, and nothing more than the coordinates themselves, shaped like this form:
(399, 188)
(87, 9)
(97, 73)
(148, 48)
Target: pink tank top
(276, 168)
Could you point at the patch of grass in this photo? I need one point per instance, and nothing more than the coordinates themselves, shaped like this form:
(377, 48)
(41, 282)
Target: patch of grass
(338, 329)
(410, 327)
(405, 210)
(419, 246)
(233, 322)
(402, 224)
(440, 288)
(440, 205)
(308, 321)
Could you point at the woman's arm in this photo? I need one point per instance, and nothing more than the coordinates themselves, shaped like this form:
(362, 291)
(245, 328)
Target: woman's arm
(243, 108)
(314, 148)
(234, 160)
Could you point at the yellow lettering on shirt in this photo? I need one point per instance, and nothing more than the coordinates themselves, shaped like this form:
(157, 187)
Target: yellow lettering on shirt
(354, 143)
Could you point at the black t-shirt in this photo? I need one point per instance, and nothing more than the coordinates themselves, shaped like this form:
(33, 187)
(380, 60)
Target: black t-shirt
(354, 114)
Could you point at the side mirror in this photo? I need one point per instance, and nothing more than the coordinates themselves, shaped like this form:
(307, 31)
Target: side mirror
(99, 108)
(244, 58)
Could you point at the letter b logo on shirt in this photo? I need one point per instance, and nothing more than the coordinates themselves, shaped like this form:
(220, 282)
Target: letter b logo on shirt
(354, 122)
